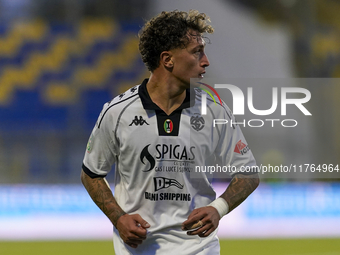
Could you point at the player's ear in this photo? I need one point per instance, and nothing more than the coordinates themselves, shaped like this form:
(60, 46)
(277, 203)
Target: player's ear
(166, 59)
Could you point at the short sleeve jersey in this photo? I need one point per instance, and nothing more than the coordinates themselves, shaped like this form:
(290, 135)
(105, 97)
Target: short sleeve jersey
(156, 158)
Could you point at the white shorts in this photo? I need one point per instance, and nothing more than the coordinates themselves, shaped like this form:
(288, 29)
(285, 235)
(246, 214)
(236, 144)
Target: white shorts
(170, 242)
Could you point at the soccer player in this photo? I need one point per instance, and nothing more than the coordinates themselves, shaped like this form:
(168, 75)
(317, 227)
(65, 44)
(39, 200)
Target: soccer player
(155, 136)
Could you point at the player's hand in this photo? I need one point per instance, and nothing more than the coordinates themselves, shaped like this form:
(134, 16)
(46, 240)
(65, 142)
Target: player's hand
(209, 218)
(132, 229)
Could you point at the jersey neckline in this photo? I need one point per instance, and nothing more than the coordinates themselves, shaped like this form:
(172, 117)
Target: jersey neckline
(148, 104)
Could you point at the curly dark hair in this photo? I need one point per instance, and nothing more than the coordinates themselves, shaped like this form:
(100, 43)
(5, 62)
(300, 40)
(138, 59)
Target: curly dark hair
(168, 31)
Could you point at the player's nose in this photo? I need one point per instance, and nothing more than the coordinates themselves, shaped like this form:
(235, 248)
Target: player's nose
(205, 61)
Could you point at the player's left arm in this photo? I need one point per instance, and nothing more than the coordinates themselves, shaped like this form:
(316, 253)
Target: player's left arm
(240, 187)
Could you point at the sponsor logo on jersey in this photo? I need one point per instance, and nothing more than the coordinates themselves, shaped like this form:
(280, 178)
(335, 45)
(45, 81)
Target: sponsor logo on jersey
(168, 126)
(146, 154)
(167, 196)
(197, 122)
(138, 121)
(162, 183)
(178, 157)
(241, 148)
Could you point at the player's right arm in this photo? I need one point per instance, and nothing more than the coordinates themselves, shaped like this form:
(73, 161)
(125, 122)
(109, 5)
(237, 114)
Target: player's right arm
(131, 228)
(101, 153)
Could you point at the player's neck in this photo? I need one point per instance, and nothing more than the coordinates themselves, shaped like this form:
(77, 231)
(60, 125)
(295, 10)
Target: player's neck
(165, 93)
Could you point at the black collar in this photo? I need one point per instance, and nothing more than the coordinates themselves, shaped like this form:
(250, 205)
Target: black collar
(148, 104)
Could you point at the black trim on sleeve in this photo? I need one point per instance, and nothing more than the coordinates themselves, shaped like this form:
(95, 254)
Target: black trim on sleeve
(90, 173)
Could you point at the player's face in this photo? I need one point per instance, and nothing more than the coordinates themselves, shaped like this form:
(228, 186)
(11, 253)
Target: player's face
(191, 61)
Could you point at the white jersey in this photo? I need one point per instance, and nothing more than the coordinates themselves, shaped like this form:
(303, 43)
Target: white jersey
(156, 157)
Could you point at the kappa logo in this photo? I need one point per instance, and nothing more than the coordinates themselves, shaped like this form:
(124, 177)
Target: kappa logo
(197, 122)
(241, 148)
(162, 183)
(139, 121)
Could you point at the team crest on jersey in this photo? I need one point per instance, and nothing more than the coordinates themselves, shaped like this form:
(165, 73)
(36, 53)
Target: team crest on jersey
(197, 122)
(168, 126)
(241, 148)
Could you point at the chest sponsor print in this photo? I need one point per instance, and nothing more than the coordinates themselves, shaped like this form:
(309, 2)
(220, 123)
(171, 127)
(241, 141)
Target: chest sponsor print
(168, 158)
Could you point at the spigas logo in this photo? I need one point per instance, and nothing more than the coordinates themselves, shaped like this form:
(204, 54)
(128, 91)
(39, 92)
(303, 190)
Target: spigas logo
(167, 152)
(145, 154)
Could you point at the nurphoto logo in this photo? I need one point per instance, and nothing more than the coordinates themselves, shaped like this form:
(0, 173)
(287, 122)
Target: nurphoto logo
(239, 104)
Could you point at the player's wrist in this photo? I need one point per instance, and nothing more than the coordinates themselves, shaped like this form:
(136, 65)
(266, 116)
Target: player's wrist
(118, 217)
(221, 206)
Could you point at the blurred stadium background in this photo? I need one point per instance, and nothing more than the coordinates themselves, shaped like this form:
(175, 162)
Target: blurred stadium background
(60, 61)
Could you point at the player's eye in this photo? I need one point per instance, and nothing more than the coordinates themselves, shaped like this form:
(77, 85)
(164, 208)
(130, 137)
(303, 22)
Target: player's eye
(198, 52)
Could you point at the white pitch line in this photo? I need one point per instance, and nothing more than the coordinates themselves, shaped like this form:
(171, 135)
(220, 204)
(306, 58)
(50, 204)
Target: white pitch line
(328, 253)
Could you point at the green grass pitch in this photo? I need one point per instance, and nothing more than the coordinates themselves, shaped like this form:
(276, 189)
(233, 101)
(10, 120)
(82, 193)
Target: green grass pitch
(240, 247)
